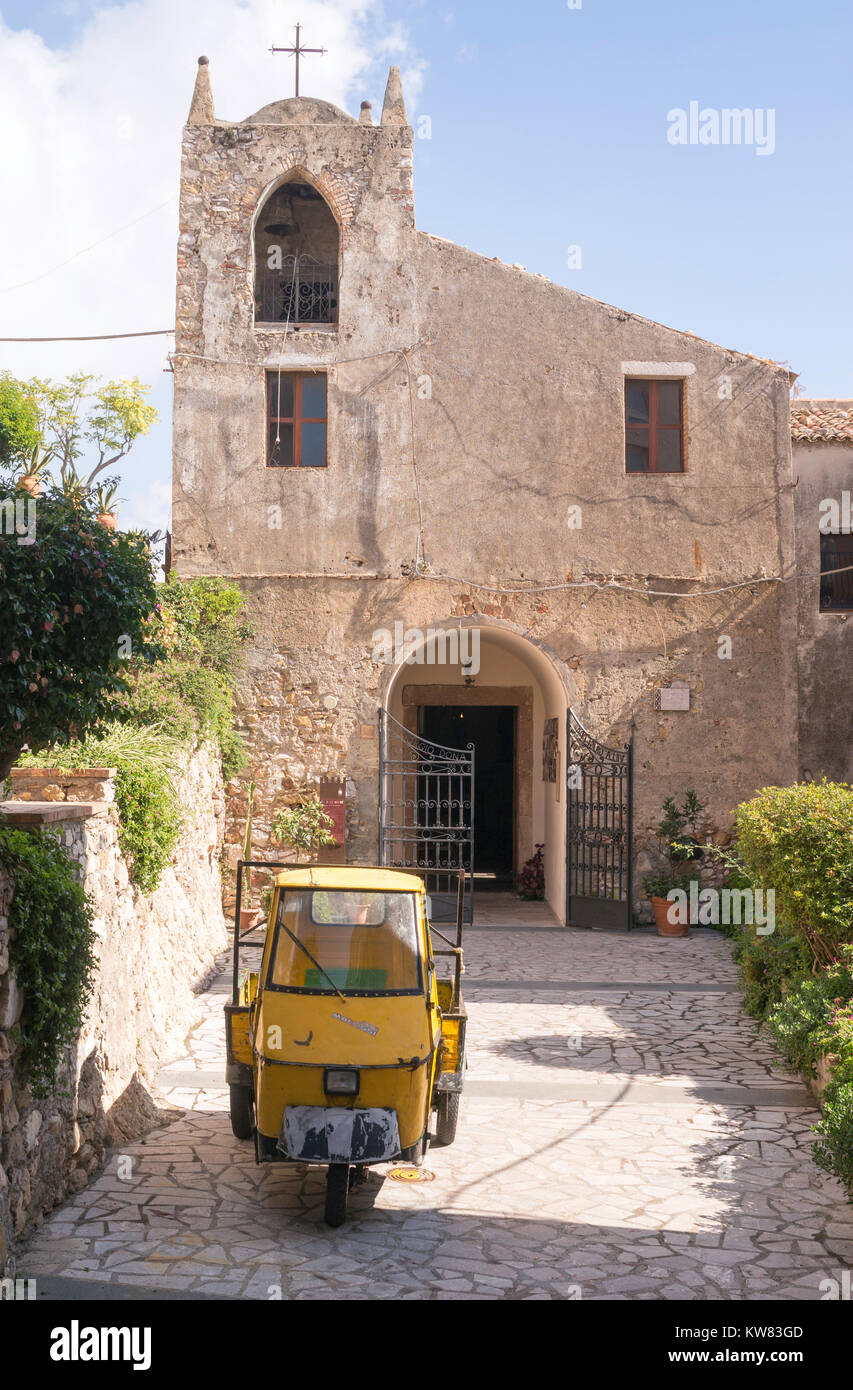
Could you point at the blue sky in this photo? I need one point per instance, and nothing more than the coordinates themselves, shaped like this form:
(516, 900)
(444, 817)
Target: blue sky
(548, 129)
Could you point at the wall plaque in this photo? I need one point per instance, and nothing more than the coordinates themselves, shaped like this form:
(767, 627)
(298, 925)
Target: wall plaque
(672, 697)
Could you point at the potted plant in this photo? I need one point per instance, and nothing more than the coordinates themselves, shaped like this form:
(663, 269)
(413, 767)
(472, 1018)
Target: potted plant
(305, 826)
(677, 833)
(71, 486)
(530, 883)
(657, 887)
(34, 470)
(105, 499)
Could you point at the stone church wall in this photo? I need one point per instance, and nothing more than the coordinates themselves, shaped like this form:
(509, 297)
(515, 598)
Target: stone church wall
(308, 706)
(476, 448)
(153, 953)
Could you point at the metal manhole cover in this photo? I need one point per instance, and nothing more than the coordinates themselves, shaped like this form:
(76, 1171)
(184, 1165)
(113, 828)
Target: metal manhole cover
(411, 1175)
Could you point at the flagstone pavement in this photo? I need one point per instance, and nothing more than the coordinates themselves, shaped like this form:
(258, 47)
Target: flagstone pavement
(624, 1133)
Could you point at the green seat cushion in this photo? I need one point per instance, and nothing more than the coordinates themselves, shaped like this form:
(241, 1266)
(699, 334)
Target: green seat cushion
(345, 978)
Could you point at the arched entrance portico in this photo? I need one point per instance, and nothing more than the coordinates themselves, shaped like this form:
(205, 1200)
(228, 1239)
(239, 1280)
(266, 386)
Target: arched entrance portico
(506, 696)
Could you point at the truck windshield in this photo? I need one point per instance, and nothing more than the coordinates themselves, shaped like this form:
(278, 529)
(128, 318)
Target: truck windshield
(366, 942)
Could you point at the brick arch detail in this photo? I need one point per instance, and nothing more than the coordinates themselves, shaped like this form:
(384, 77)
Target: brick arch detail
(327, 184)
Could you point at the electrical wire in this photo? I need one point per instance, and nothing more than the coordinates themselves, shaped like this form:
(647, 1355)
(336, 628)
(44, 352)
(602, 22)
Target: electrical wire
(7, 289)
(94, 337)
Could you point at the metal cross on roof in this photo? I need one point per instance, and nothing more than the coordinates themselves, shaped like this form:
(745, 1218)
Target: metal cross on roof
(296, 52)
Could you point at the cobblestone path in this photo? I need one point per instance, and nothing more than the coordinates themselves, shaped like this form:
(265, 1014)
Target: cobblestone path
(624, 1134)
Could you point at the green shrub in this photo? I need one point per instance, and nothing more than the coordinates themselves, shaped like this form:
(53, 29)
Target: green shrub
(152, 699)
(768, 965)
(814, 1020)
(233, 752)
(192, 690)
(799, 841)
(200, 617)
(798, 1022)
(185, 697)
(114, 745)
(51, 951)
(833, 1151)
(72, 603)
(150, 822)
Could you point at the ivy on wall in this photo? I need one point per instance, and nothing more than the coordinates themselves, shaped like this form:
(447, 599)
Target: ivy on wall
(51, 949)
(149, 822)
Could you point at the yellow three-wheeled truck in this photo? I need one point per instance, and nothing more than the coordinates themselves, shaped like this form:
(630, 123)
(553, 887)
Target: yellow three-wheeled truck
(344, 1041)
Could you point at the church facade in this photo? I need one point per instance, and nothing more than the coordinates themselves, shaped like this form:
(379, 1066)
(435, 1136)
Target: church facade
(469, 508)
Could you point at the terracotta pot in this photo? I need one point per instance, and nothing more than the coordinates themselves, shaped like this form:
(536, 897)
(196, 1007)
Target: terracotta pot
(249, 917)
(661, 908)
(108, 520)
(31, 484)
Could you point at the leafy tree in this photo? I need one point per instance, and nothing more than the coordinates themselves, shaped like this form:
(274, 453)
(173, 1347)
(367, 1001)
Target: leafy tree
(77, 417)
(76, 605)
(20, 435)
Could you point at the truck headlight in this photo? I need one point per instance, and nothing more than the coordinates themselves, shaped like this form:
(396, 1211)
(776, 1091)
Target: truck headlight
(337, 1082)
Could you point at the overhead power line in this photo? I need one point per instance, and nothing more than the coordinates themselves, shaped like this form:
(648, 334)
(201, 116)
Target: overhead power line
(94, 337)
(7, 289)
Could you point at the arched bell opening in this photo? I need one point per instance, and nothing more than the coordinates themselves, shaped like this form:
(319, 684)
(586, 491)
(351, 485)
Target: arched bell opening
(297, 251)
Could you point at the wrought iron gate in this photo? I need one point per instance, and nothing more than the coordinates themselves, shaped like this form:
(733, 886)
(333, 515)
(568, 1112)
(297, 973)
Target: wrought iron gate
(598, 834)
(426, 813)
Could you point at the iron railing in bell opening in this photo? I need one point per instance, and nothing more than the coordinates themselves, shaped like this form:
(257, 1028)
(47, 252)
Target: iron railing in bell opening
(300, 293)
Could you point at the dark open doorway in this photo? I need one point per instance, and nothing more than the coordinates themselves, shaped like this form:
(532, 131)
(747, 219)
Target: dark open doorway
(491, 729)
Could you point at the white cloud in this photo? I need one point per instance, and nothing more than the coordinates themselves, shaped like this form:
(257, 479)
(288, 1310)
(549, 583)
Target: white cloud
(92, 143)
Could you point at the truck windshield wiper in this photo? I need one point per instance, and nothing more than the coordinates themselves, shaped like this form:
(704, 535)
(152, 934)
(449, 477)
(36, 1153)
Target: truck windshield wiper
(316, 963)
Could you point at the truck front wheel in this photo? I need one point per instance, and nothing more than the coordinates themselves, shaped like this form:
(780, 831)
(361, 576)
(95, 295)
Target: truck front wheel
(447, 1118)
(337, 1187)
(242, 1111)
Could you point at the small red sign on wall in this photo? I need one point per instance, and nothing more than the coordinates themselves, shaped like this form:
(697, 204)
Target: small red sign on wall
(333, 796)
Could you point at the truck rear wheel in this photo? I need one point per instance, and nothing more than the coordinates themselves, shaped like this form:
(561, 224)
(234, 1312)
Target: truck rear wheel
(447, 1118)
(337, 1187)
(242, 1112)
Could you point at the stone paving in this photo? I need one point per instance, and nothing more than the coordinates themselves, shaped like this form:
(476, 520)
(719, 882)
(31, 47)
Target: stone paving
(624, 1134)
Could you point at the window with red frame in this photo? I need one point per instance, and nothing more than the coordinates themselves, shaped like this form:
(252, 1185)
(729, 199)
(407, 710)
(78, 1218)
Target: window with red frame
(296, 419)
(654, 426)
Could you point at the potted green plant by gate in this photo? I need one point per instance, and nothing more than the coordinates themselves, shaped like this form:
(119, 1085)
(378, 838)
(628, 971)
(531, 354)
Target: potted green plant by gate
(668, 919)
(305, 827)
(677, 833)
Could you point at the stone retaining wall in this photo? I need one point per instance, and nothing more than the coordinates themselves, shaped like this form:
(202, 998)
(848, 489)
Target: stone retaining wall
(154, 952)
